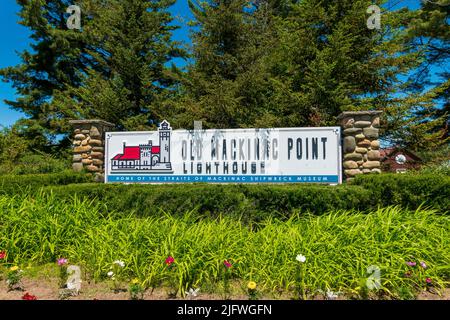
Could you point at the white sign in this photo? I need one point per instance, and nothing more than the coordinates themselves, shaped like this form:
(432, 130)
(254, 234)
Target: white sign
(278, 155)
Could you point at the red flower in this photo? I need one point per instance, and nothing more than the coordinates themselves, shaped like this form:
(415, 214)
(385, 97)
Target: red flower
(2, 254)
(428, 280)
(227, 264)
(169, 260)
(28, 296)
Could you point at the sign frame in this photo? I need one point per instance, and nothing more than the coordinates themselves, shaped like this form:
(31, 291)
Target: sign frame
(335, 129)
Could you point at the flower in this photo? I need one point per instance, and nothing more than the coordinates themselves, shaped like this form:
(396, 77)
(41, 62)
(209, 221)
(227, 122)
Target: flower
(251, 285)
(15, 268)
(169, 260)
(2, 255)
(28, 296)
(408, 274)
(110, 274)
(135, 281)
(120, 263)
(300, 258)
(227, 264)
(423, 264)
(192, 292)
(428, 280)
(61, 261)
(411, 263)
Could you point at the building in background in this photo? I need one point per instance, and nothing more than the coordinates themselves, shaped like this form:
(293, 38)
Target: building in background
(399, 160)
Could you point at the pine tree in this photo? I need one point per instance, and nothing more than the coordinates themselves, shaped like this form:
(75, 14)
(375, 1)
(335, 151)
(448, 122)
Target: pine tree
(291, 63)
(129, 77)
(115, 68)
(428, 34)
(225, 84)
(51, 65)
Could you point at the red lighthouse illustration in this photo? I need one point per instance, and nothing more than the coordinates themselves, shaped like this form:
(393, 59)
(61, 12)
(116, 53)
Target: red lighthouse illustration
(146, 157)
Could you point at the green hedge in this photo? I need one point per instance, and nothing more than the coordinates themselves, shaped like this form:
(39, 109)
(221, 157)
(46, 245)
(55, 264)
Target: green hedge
(21, 183)
(408, 190)
(252, 202)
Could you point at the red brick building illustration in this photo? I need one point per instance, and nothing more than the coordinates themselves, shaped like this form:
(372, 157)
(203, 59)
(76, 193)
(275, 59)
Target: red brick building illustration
(147, 156)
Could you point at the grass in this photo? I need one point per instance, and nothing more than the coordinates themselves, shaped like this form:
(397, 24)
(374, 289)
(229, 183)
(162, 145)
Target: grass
(339, 246)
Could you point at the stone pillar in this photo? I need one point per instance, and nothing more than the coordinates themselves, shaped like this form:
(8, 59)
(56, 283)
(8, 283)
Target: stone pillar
(89, 145)
(361, 146)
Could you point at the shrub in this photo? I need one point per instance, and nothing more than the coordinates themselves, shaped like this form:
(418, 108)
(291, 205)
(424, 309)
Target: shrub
(251, 202)
(408, 190)
(27, 183)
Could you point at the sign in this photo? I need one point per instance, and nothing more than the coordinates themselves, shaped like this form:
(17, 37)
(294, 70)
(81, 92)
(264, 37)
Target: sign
(276, 155)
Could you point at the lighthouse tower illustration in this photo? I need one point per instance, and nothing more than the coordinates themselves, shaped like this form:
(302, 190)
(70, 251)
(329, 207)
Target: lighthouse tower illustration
(146, 158)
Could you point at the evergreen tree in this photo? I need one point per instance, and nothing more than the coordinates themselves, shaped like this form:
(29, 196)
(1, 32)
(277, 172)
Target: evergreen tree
(227, 45)
(129, 78)
(114, 68)
(268, 63)
(51, 65)
(429, 35)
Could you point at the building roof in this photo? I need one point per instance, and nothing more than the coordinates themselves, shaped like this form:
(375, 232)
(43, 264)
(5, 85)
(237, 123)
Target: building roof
(385, 153)
(134, 153)
(129, 153)
(156, 149)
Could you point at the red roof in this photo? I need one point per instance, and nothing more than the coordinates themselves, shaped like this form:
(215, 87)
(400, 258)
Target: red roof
(134, 153)
(155, 150)
(130, 153)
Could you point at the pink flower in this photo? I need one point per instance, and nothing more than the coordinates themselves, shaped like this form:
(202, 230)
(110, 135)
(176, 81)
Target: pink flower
(428, 280)
(423, 265)
(61, 261)
(227, 264)
(169, 260)
(2, 254)
(411, 263)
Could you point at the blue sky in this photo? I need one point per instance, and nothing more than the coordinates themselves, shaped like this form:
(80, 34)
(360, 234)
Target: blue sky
(15, 38)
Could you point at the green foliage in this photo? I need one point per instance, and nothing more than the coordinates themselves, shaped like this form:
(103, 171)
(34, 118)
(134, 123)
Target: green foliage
(248, 202)
(127, 77)
(252, 203)
(115, 68)
(24, 151)
(338, 246)
(33, 182)
(422, 118)
(289, 63)
(254, 64)
(52, 64)
(34, 164)
(408, 190)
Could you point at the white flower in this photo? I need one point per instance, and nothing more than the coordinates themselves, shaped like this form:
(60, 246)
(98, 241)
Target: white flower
(110, 274)
(119, 263)
(332, 295)
(192, 293)
(300, 258)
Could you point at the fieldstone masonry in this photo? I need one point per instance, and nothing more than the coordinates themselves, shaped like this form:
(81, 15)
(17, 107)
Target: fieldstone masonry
(361, 146)
(89, 145)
